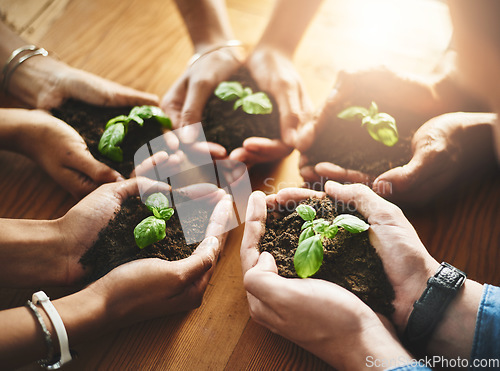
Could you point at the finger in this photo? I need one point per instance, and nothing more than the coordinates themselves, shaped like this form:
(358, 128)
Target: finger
(290, 197)
(290, 113)
(339, 174)
(98, 91)
(222, 214)
(173, 100)
(309, 174)
(357, 197)
(197, 95)
(263, 281)
(201, 261)
(254, 228)
(215, 150)
(273, 148)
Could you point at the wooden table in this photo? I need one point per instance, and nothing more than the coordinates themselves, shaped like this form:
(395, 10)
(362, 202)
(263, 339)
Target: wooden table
(144, 44)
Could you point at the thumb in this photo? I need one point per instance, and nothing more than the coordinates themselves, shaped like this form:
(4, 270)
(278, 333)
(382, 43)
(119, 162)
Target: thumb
(202, 259)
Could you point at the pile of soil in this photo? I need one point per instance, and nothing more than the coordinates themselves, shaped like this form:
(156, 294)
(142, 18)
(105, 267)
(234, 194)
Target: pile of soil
(230, 128)
(349, 145)
(349, 259)
(116, 245)
(89, 121)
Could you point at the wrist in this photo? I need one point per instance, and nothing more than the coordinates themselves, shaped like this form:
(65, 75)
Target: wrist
(376, 348)
(30, 254)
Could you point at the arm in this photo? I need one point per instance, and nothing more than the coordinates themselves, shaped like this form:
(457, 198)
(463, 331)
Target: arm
(409, 266)
(45, 82)
(56, 147)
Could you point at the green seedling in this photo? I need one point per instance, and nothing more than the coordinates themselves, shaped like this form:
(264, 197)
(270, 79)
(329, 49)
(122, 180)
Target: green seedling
(381, 126)
(309, 254)
(116, 129)
(153, 228)
(252, 103)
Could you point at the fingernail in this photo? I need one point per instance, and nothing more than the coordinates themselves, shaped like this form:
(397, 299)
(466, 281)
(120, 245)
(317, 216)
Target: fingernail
(120, 178)
(210, 243)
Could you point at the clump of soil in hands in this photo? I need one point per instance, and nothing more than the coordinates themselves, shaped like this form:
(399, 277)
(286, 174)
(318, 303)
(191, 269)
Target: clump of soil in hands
(229, 128)
(349, 145)
(90, 121)
(116, 243)
(349, 259)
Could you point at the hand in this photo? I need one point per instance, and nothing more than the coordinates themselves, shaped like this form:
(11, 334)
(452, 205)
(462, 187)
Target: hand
(45, 83)
(446, 150)
(320, 316)
(275, 74)
(411, 100)
(185, 100)
(60, 151)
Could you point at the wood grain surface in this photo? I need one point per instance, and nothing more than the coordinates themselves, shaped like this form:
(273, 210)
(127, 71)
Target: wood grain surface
(144, 44)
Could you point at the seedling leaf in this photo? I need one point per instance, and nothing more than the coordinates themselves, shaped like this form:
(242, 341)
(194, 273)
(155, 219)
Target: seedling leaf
(257, 104)
(122, 119)
(306, 233)
(157, 201)
(306, 212)
(352, 113)
(229, 90)
(351, 223)
(149, 231)
(110, 141)
(308, 256)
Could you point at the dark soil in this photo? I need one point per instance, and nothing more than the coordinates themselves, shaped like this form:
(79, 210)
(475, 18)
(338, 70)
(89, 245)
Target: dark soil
(348, 144)
(116, 244)
(230, 128)
(90, 121)
(349, 259)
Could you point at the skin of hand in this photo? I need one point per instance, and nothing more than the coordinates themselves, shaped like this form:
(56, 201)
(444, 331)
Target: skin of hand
(133, 292)
(446, 150)
(57, 148)
(395, 94)
(334, 324)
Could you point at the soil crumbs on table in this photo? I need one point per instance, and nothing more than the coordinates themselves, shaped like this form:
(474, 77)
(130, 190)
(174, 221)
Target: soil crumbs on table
(349, 259)
(116, 244)
(90, 121)
(229, 128)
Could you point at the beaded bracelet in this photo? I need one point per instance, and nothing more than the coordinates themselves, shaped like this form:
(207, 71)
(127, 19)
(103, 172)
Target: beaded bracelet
(19, 56)
(46, 332)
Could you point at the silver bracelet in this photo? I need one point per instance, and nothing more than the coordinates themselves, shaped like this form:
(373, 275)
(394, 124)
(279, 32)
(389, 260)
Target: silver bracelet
(228, 44)
(46, 333)
(27, 52)
(62, 335)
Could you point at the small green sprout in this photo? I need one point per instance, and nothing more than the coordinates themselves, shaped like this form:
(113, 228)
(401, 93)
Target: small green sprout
(309, 254)
(116, 129)
(381, 126)
(252, 103)
(153, 228)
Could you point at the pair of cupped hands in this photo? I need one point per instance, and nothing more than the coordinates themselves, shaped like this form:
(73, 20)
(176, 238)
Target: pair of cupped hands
(332, 319)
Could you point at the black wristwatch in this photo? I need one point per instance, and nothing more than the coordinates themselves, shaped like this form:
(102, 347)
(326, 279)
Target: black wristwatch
(429, 309)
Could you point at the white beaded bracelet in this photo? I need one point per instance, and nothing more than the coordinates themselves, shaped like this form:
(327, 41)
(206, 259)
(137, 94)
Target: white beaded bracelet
(228, 44)
(55, 318)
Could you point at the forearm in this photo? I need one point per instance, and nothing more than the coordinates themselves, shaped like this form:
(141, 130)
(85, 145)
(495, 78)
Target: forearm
(22, 340)
(287, 24)
(10, 41)
(29, 253)
(207, 22)
(454, 335)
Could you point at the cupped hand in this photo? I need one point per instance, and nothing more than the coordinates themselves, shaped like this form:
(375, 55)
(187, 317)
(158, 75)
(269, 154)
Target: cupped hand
(446, 150)
(45, 83)
(185, 100)
(406, 261)
(61, 152)
(149, 288)
(320, 316)
(402, 96)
